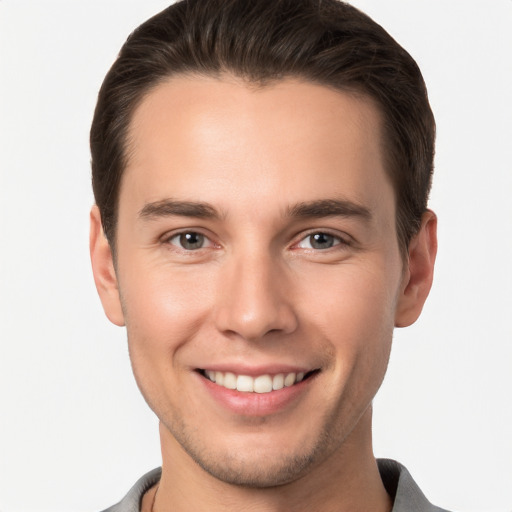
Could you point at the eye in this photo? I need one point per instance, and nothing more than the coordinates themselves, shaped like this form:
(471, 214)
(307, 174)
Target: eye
(319, 241)
(190, 241)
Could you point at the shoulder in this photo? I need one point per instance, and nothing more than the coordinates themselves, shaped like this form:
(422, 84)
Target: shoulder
(131, 502)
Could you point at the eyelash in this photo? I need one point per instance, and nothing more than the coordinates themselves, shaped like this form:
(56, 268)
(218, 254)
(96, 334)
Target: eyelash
(180, 235)
(337, 240)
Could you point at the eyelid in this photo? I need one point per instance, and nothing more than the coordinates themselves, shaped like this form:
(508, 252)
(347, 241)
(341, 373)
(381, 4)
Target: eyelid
(168, 236)
(342, 238)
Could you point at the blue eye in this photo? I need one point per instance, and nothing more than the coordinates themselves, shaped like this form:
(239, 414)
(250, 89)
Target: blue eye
(319, 241)
(190, 241)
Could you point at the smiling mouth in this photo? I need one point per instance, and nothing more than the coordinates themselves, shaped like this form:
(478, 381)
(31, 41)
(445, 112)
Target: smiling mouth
(259, 384)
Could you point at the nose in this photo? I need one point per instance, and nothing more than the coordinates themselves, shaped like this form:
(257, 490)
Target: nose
(255, 299)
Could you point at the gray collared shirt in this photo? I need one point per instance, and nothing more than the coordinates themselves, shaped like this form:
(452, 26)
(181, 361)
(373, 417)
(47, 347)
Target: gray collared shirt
(398, 481)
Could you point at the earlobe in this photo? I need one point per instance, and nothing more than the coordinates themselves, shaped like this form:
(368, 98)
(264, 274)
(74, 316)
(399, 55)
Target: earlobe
(418, 277)
(103, 270)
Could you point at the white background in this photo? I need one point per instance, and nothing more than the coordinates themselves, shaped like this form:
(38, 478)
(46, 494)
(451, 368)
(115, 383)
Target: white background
(74, 432)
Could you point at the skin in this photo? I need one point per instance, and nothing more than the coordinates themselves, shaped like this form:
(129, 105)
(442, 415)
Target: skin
(258, 293)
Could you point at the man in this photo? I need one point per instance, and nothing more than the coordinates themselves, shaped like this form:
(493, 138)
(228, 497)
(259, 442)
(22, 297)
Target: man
(261, 171)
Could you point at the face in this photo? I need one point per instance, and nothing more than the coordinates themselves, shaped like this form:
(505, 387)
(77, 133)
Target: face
(258, 271)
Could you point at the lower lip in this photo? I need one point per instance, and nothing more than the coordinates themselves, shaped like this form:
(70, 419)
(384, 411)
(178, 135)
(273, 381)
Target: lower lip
(256, 404)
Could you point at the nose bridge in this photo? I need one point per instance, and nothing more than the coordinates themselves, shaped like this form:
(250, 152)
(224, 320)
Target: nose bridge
(255, 300)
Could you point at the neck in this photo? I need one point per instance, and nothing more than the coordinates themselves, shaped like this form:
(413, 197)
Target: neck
(348, 480)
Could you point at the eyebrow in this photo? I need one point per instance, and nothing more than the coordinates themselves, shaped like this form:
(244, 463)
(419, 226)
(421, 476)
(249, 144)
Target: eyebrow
(305, 210)
(329, 208)
(170, 207)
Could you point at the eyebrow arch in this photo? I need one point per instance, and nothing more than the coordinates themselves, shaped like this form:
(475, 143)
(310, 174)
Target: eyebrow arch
(329, 208)
(170, 207)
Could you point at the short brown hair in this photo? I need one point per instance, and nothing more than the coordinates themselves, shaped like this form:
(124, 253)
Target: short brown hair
(324, 41)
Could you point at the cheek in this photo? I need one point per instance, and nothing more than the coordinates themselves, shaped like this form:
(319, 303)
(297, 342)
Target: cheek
(353, 298)
(163, 308)
(354, 311)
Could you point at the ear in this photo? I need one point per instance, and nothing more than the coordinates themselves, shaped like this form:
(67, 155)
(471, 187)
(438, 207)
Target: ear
(418, 275)
(103, 270)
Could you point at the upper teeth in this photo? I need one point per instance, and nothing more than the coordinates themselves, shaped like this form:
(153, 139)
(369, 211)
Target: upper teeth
(259, 384)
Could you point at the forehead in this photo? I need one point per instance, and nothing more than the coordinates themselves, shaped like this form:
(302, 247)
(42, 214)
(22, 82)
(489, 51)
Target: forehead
(224, 139)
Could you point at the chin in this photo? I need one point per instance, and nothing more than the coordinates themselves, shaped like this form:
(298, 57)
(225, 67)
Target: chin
(255, 461)
(256, 472)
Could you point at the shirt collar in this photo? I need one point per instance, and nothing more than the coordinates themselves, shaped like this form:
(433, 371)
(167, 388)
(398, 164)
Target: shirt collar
(403, 489)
